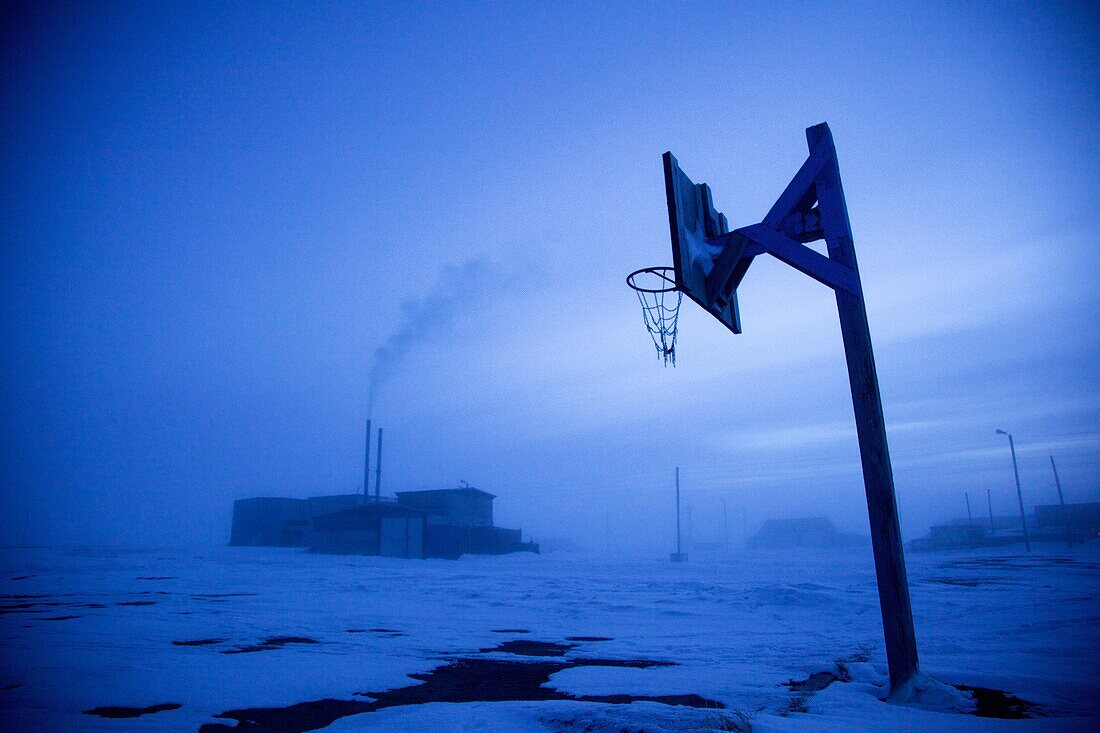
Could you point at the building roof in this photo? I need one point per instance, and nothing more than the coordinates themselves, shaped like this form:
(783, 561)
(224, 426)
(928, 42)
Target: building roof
(797, 524)
(437, 492)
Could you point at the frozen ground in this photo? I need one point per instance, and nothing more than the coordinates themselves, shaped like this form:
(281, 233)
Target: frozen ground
(84, 628)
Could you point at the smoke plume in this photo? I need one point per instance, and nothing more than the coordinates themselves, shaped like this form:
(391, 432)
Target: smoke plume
(456, 289)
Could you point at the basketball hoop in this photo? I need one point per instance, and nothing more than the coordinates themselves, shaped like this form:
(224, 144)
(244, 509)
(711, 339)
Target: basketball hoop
(654, 286)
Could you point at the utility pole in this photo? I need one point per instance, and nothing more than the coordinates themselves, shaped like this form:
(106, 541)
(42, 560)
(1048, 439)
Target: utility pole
(1019, 494)
(678, 549)
(378, 470)
(989, 501)
(1062, 503)
(690, 539)
(679, 555)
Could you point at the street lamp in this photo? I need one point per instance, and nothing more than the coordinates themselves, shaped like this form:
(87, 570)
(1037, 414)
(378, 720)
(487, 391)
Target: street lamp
(1019, 494)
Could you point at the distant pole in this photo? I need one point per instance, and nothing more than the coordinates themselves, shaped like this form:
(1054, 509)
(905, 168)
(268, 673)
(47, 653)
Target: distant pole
(1062, 503)
(989, 501)
(366, 465)
(969, 518)
(1019, 493)
(678, 550)
(725, 528)
(607, 533)
(690, 539)
(378, 469)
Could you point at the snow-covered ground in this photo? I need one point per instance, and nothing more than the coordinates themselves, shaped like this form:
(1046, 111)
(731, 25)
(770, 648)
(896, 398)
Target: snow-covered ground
(87, 628)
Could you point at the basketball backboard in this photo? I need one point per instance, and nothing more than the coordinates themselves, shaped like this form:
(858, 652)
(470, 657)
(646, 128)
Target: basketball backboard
(701, 242)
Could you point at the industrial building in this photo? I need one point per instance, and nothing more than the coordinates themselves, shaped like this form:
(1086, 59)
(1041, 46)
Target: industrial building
(1079, 519)
(465, 506)
(269, 522)
(281, 522)
(1047, 523)
(383, 528)
(444, 523)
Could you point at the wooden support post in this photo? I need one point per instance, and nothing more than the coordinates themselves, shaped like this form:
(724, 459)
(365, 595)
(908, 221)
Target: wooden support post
(878, 477)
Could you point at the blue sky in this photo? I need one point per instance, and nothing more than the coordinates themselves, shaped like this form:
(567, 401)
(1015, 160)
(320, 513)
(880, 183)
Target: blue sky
(215, 214)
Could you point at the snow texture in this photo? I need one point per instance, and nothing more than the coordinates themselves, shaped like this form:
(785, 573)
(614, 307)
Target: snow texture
(88, 628)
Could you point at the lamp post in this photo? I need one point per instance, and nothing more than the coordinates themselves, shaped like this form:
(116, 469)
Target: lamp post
(1019, 494)
(1062, 503)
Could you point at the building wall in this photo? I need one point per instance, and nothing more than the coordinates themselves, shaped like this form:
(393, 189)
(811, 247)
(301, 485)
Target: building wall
(319, 505)
(346, 542)
(1081, 516)
(452, 507)
(451, 542)
(402, 537)
(460, 522)
(474, 510)
(267, 522)
(372, 529)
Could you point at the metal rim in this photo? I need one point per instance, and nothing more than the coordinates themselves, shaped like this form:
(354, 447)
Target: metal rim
(668, 274)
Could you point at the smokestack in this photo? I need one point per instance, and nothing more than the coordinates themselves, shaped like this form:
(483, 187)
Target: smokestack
(366, 464)
(378, 468)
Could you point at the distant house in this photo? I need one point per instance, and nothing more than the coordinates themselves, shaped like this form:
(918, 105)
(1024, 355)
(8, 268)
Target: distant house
(810, 532)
